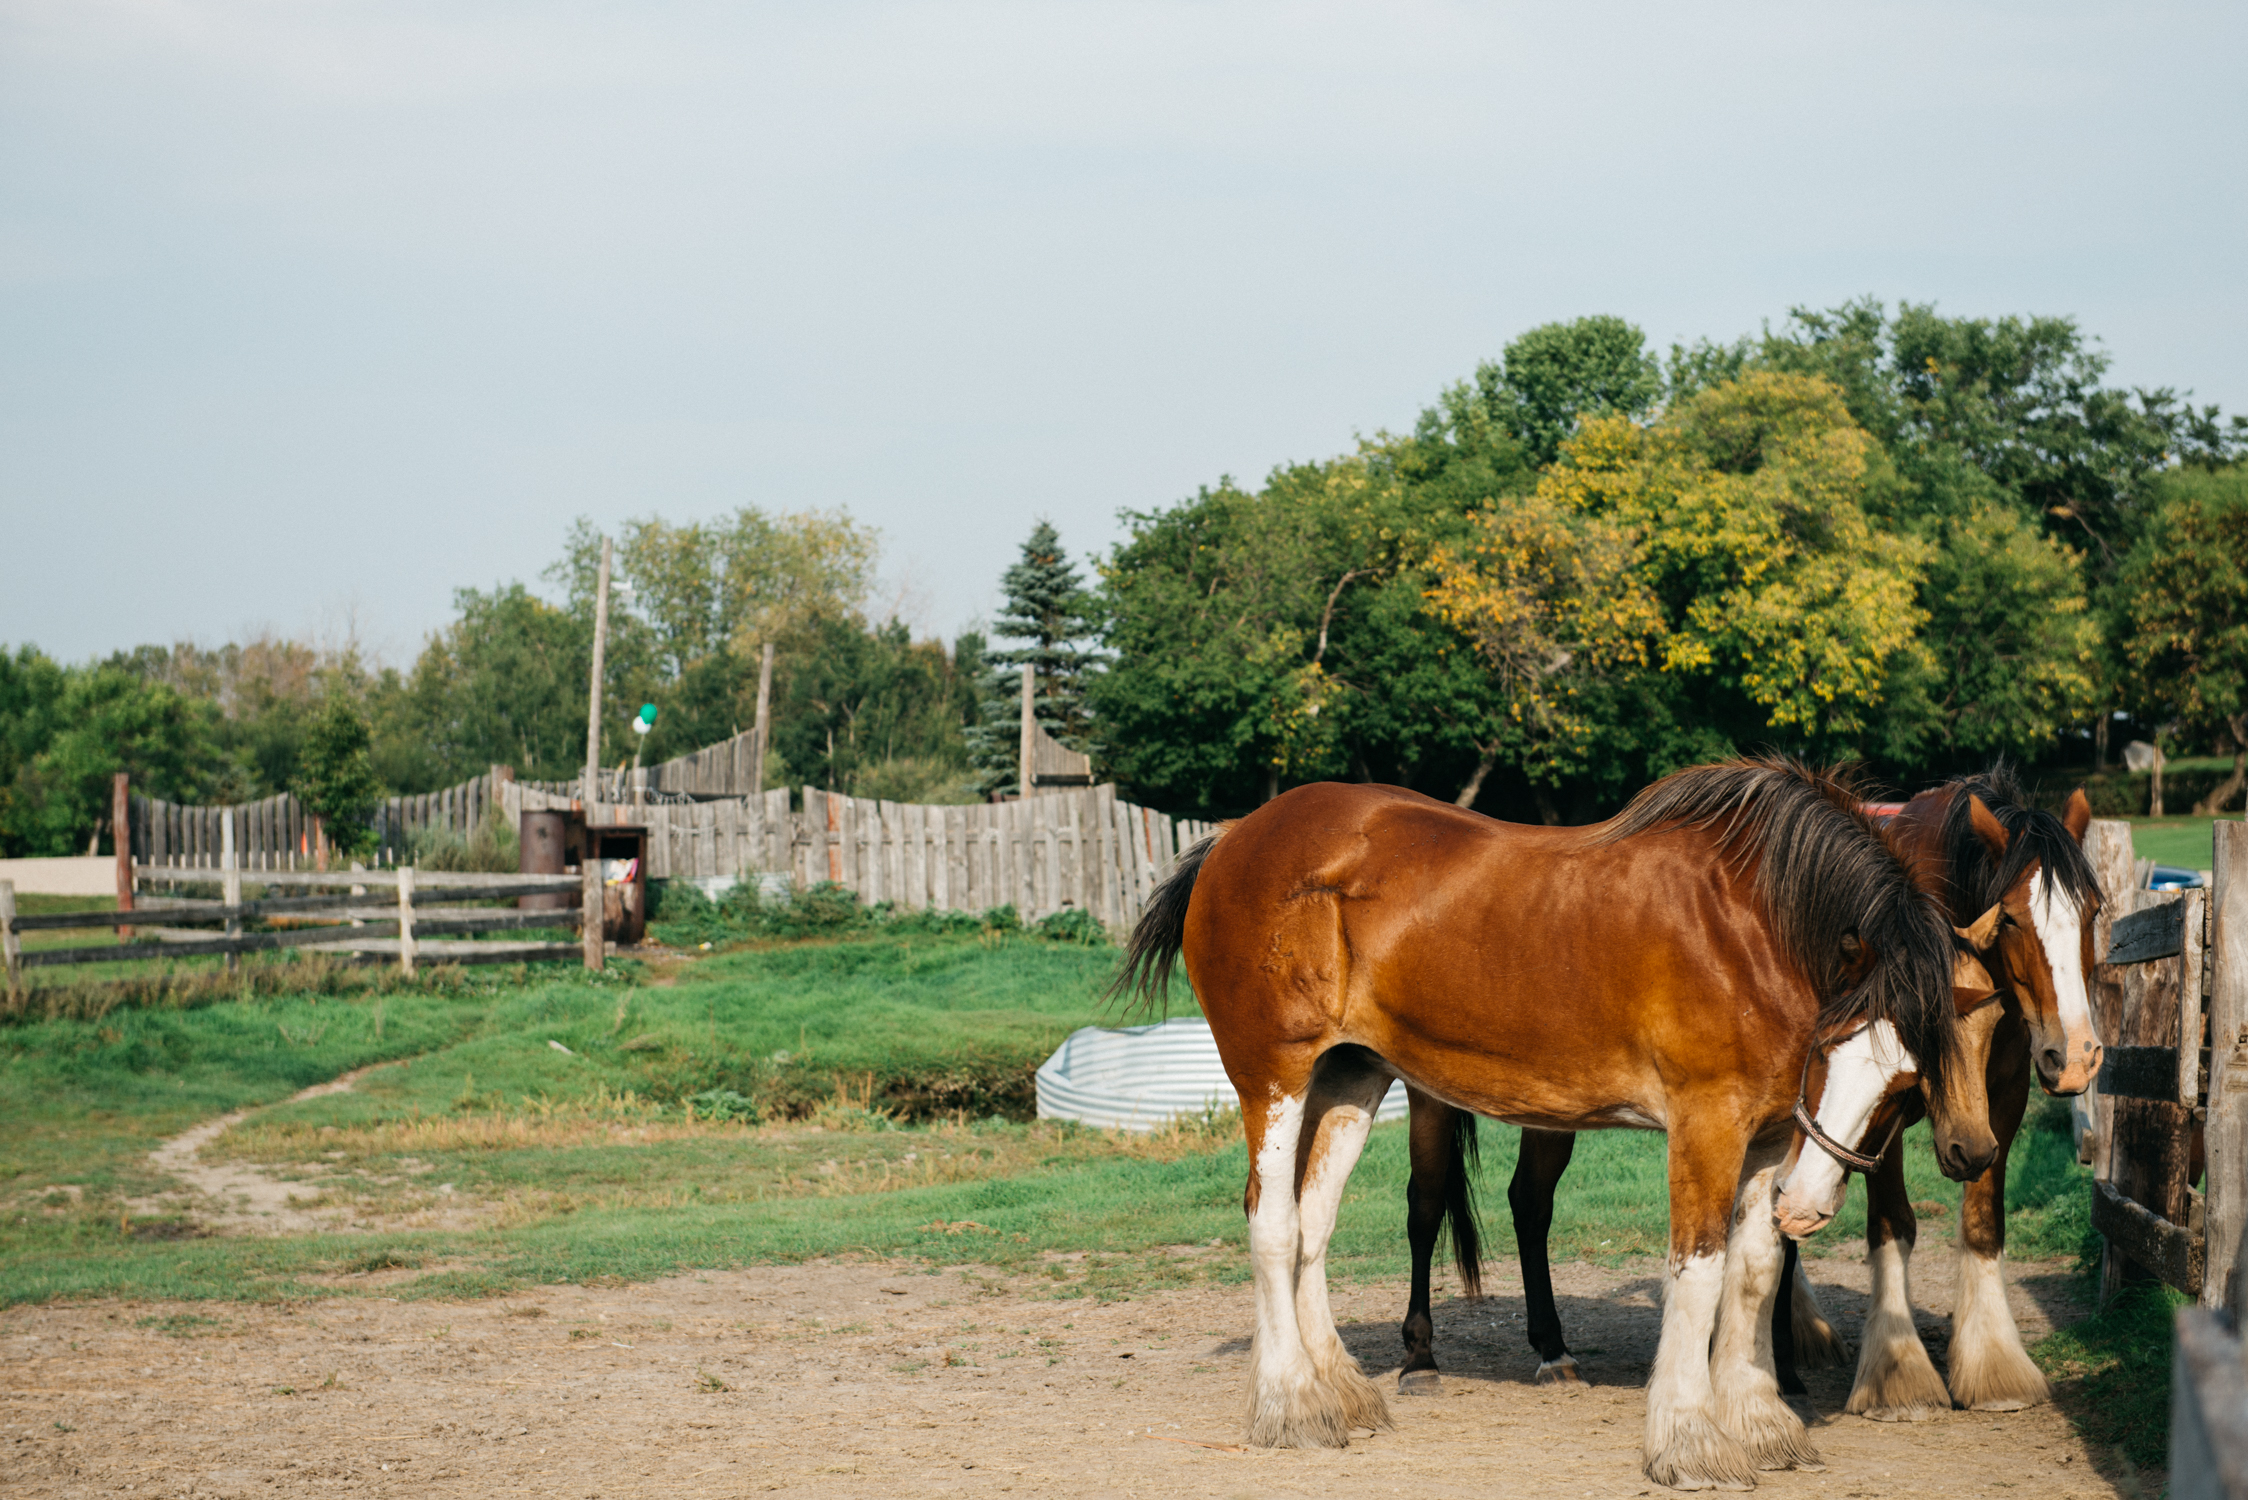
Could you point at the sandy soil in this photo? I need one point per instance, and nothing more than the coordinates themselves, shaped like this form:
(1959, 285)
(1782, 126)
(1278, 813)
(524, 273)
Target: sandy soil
(872, 1379)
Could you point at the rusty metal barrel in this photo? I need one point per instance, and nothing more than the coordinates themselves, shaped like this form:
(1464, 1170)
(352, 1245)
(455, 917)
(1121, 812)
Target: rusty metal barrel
(541, 840)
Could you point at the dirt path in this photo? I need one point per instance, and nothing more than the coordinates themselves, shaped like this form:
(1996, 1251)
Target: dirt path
(240, 1197)
(870, 1379)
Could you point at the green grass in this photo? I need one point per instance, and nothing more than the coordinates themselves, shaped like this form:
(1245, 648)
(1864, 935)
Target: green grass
(2116, 1366)
(2186, 842)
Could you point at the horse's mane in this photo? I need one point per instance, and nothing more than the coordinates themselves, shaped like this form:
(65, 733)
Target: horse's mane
(1977, 880)
(1826, 871)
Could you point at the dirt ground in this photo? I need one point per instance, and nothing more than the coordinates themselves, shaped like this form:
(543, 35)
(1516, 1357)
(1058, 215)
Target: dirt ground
(841, 1379)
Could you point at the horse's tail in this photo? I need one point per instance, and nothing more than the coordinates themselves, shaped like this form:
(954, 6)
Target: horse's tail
(1160, 933)
(1459, 1203)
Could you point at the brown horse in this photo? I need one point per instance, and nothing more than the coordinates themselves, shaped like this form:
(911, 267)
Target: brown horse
(1988, 848)
(1974, 841)
(1670, 969)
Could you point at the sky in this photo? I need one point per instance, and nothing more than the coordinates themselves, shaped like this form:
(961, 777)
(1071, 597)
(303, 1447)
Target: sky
(314, 311)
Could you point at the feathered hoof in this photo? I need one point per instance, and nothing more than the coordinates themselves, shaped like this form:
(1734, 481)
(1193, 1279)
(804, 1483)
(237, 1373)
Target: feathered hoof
(1562, 1371)
(1362, 1402)
(1297, 1416)
(1696, 1454)
(1817, 1345)
(1998, 1380)
(1898, 1386)
(1419, 1383)
(1773, 1435)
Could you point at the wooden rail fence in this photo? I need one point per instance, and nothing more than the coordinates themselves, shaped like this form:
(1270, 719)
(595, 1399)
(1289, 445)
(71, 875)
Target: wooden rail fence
(2173, 994)
(377, 913)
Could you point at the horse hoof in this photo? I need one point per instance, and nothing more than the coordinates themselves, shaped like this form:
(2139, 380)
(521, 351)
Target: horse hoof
(1562, 1371)
(1420, 1383)
(2006, 1405)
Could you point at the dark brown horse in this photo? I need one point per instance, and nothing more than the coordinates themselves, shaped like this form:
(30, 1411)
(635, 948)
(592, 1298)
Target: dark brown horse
(1976, 843)
(1670, 969)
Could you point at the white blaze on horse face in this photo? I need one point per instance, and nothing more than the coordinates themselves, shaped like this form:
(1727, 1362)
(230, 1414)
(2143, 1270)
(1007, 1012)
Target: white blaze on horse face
(1860, 1072)
(2059, 923)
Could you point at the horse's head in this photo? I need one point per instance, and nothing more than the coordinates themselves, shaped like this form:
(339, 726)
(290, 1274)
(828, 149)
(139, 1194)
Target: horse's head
(2044, 956)
(1862, 1081)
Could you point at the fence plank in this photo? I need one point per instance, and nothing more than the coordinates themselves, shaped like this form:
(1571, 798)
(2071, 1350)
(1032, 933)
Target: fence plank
(2226, 1130)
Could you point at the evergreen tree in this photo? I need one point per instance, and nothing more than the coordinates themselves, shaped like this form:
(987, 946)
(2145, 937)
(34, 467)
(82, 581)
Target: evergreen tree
(1049, 611)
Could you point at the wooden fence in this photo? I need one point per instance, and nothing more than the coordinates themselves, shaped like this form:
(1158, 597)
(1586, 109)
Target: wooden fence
(376, 913)
(1081, 848)
(278, 833)
(2172, 997)
(1078, 847)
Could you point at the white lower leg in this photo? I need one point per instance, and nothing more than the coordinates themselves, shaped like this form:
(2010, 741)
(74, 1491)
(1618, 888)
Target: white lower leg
(1686, 1447)
(1742, 1373)
(1286, 1405)
(1342, 1136)
(1990, 1370)
(1817, 1345)
(1896, 1383)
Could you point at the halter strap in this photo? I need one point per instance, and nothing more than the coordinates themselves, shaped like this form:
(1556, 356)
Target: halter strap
(1856, 1160)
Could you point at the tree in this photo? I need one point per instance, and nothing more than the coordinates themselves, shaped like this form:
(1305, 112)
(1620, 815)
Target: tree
(336, 777)
(1779, 597)
(506, 682)
(874, 713)
(2010, 650)
(2184, 605)
(1552, 597)
(1552, 376)
(1047, 608)
(105, 720)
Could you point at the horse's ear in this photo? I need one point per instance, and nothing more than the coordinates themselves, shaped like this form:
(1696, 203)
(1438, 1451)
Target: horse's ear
(1987, 827)
(2077, 816)
(1984, 931)
(1851, 947)
(1971, 984)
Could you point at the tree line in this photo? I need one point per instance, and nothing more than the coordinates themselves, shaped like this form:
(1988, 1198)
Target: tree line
(1909, 539)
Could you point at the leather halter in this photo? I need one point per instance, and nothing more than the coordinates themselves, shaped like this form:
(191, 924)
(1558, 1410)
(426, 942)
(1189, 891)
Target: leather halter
(1857, 1160)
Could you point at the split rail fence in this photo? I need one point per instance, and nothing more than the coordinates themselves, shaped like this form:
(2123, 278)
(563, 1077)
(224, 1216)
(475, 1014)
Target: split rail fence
(378, 913)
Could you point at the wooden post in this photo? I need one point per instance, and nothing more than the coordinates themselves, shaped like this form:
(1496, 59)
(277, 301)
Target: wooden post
(590, 924)
(2225, 1214)
(11, 951)
(406, 920)
(762, 730)
(230, 882)
(121, 824)
(1028, 768)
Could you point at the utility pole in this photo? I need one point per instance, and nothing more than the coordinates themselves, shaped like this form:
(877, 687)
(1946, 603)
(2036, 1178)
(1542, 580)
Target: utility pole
(764, 720)
(590, 923)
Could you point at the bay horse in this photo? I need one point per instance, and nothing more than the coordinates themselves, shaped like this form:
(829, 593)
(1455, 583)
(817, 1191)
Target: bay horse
(1977, 843)
(1675, 968)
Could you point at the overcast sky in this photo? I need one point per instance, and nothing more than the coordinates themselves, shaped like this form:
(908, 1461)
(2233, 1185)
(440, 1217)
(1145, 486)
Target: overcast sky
(312, 311)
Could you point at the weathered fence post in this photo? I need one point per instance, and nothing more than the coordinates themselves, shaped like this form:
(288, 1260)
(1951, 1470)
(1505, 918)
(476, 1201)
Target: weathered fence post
(11, 951)
(764, 720)
(406, 920)
(230, 885)
(121, 824)
(2225, 1133)
(590, 924)
(1029, 754)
